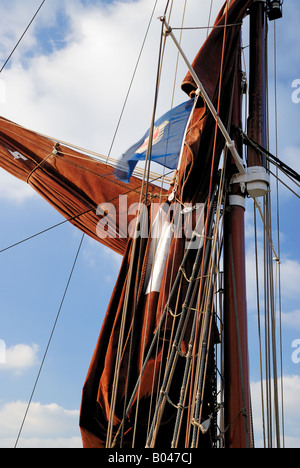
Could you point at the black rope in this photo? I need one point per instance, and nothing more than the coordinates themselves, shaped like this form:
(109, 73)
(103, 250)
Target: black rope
(131, 82)
(71, 219)
(207, 27)
(283, 166)
(34, 235)
(49, 342)
(17, 44)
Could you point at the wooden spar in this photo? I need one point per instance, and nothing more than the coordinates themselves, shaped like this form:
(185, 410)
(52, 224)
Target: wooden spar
(237, 382)
(229, 143)
(257, 97)
(236, 367)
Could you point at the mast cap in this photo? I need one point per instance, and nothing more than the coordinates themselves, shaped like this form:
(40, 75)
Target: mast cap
(274, 9)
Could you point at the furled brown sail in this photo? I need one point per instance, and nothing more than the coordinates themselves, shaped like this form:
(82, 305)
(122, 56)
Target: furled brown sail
(135, 310)
(75, 184)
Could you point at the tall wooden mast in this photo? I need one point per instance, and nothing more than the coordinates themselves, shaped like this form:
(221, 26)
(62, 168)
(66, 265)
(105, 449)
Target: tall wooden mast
(237, 382)
(257, 83)
(236, 378)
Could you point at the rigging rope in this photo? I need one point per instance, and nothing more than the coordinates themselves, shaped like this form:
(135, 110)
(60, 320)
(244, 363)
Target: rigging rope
(209, 16)
(143, 193)
(152, 260)
(283, 183)
(278, 238)
(269, 156)
(179, 337)
(175, 287)
(271, 283)
(131, 82)
(92, 155)
(49, 341)
(172, 266)
(206, 27)
(68, 220)
(206, 226)
(259, 326)
(270, 398)
(271, 339)
(16, 46)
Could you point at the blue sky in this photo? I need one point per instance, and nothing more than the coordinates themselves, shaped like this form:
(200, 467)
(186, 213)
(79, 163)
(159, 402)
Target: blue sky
(62, 81)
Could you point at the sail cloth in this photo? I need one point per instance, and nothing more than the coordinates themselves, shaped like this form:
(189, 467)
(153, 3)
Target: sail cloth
(135, 310)
(168, 134)
(76, 185)
(195, 172)
(83, 189)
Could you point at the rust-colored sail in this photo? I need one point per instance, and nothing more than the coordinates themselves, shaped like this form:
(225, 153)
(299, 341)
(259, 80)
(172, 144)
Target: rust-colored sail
(76, 185)
(73, 183)
(215, 63)
(135, 310)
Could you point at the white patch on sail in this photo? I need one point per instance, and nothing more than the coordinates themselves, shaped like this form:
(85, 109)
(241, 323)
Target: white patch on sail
(17, 155)
(162, 235)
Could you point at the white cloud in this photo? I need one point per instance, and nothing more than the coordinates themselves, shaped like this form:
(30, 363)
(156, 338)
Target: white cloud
(15, 190)
(19, 358)
(289, 267)
(292, 319)
(76, 93)
(46, 426)
(290, 155)
(96, 255)
(83, 82)
(11, 30)
(291, 391)
(290, 274)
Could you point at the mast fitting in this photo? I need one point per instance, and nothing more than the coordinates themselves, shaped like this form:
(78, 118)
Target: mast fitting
(237, 200)
(256, 179)
(274, 9)
(229, 142)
